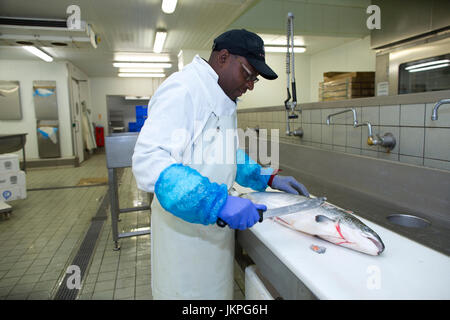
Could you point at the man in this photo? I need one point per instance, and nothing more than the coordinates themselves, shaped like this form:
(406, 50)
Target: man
(191, 257)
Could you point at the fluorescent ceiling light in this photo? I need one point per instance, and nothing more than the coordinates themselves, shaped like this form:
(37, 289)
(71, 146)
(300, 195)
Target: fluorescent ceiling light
(141, 65)
(142, 75)
(283, 49)
(147, 70)
(137, 98)
(168, 6)
(430, 67)
(41, 54)
(280, 40)
(159, 41)
(141, 57)
(425, 64)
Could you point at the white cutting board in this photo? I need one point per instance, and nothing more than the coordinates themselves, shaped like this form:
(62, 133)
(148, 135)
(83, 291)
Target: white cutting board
(405, 269)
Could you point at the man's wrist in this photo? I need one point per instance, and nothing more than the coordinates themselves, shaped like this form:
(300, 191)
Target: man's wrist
(272, 176)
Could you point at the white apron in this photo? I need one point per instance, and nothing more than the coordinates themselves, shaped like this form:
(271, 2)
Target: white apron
(194, 261)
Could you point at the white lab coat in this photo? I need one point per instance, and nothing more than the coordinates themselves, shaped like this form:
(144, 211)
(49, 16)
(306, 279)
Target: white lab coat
(189, 261)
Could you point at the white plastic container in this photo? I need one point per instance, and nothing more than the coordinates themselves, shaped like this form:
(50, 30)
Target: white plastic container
(13, 193)
(12, 179)
(254, 287)
(9, 162)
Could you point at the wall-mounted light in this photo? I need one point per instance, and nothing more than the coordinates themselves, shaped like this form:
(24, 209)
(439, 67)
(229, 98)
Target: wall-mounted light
(141, 65)
(41, 54)
(142, 75)
(282, 49)
(168, 6)
(160, 38)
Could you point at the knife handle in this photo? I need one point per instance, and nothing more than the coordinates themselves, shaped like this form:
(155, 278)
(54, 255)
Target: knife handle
(222, 223)
(261, 216)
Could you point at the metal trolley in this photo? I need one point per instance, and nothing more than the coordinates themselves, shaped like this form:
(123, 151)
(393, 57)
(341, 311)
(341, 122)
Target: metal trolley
(119, 149)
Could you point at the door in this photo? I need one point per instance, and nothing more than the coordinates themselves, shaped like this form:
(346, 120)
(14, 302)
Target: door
(76, 121)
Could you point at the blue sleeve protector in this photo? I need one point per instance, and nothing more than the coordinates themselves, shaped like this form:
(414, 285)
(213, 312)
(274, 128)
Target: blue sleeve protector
(187, 194)
(250, 174)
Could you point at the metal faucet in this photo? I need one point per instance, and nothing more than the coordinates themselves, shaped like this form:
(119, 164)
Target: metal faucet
(369, 127)
(434, 115)
(387, 140)
(355, 122)
(298, 132)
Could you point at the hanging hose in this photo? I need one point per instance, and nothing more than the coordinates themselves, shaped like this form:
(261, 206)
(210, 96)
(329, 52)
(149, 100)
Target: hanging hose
(290, 69)
(288, 61)
(290, 75)
(294, 90)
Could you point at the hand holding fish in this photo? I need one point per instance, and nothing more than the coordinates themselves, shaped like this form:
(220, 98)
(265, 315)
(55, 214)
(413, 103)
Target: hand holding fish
(289, 185)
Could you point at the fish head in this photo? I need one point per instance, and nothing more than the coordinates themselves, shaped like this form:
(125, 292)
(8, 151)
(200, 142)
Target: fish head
(362, 239)
(352, 234)
(377, 244)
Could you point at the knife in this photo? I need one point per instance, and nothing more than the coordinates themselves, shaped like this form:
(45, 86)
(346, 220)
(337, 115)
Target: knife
(281, 211)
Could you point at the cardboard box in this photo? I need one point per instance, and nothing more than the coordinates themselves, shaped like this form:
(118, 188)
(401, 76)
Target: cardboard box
(12, 179)
(9, 162)
(346, 85)
(13, 193)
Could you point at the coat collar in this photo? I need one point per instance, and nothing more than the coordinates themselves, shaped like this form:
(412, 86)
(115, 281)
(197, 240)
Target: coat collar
(218, 100)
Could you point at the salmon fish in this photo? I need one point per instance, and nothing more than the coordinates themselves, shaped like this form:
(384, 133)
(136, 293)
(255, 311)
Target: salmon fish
(326, 222)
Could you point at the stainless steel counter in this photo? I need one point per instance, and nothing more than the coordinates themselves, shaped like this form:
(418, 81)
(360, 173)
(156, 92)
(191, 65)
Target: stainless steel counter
(435, 236)
(375, 189)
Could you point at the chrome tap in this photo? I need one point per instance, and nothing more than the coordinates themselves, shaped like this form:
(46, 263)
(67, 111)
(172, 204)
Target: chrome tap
(298, 132)
(369, 127)
(387, 140)
(355, 122)
(434, 115)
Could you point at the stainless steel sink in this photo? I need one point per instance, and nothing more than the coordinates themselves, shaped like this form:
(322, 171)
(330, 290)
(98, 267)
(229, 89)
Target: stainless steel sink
(409, 221)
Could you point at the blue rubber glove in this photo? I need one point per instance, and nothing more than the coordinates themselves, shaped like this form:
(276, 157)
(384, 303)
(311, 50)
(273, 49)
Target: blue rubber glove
(289, 185)
(240, 213)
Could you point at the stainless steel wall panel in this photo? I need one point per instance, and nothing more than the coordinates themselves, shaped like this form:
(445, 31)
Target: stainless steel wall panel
(10, 108)
(45, 103)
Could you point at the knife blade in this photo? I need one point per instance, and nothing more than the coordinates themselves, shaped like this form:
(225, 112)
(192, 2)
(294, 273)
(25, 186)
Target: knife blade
(302, 206)
(281, 211)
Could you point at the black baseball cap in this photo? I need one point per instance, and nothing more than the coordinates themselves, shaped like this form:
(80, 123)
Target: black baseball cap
(246, 44)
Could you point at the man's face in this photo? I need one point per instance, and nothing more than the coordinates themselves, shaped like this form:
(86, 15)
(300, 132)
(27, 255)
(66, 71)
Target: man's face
(238, 77)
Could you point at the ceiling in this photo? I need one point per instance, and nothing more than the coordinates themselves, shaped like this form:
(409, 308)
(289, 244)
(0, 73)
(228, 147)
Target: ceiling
(130, 26)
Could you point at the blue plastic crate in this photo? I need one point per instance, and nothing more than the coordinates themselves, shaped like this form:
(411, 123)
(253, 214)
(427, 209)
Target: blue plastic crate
(140, 122)
(141, 112)
(133, 127)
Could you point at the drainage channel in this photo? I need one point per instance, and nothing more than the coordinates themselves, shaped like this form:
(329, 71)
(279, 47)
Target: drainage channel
(83, 256)
(68, 187)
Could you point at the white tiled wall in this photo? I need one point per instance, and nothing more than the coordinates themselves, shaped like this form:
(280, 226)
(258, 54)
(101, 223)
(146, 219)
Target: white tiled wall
(420, 141)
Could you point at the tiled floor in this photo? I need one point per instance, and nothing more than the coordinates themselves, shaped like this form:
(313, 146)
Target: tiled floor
(44, 232)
